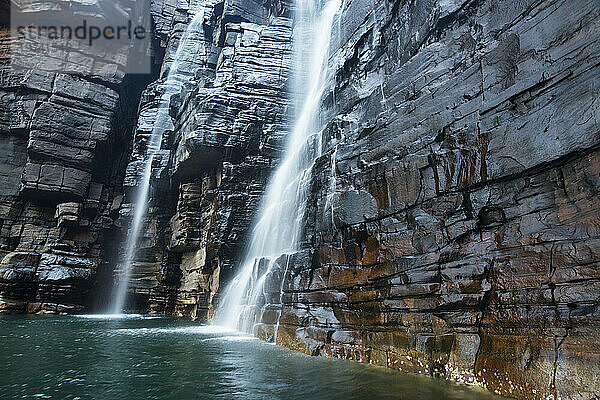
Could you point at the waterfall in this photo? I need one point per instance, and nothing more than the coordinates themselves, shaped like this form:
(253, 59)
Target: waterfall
(183, 66)
(278, 228)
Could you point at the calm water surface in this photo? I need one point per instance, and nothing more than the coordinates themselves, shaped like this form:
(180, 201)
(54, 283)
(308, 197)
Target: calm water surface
(142, 357)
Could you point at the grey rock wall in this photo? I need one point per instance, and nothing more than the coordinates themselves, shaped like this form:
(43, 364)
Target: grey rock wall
(453, 224)
(208, 177)
(64, 145)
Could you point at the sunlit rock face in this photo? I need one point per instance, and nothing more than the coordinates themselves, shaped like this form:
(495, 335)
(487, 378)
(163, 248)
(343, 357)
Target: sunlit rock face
(453, 224)
(64, 143)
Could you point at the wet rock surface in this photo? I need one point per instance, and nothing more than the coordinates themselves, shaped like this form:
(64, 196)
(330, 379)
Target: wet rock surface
(63, 147)
(228, 123)
(452, 228)
(74, 154)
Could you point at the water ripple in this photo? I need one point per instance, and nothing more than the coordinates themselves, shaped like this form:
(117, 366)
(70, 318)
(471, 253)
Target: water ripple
(188, 330)
(118, 316)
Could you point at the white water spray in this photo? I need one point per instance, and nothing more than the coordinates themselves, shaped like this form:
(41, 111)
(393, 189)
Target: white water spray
(281, 216)
(180, 72)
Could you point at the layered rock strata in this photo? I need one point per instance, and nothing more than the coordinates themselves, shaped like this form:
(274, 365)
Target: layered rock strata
(63, 149)
(453, 224)
(229, 121)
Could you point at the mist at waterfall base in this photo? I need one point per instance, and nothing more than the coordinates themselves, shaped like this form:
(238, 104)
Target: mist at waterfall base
(149, 357)
(181, 71)
(279, 226)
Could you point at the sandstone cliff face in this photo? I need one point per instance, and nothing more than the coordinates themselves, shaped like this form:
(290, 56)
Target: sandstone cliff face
(71, 173)
(229, 120)
(453, 224)
(63, 148)
(452, 227)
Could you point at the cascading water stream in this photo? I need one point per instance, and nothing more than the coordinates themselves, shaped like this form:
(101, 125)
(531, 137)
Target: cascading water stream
(180, 72)
(280, 219)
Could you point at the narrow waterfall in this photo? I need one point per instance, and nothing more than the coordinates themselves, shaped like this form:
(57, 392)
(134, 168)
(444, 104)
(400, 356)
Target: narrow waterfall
(180, 72)
(278, 228)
